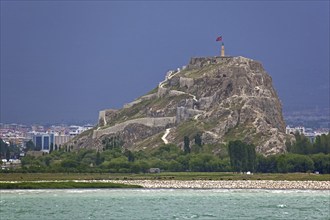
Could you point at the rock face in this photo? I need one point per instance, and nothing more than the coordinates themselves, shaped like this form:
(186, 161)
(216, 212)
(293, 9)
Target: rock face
(220, 98)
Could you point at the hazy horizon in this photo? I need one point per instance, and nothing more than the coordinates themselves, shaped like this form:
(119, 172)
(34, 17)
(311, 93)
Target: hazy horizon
(65, 61)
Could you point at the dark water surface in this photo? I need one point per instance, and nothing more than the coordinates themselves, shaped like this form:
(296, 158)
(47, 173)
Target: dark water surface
(164, 204)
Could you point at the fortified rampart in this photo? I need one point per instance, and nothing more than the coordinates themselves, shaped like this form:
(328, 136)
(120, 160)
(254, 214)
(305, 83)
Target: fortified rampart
(186, 82)
(184, 113)
(199, 62)
(150, 122)
(102, 121)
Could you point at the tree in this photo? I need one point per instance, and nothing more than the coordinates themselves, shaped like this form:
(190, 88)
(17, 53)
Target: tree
(8, 154)
(69, 163)
(47, 160)
(236, 155)
(98, 160)
(198, 140)
(51, 148)
(322, 144)
(196, 164)
(251, 157)
(175, 166)
(301, 146)
(204, 162)
(3, 148)
(118, 164)
(266, 164)
(184, 161)
(186, 146)
(129, 155)
(242, 156)
(112, 142)
(294, 163)
(30, 146)
(282, 165)
(321, 162)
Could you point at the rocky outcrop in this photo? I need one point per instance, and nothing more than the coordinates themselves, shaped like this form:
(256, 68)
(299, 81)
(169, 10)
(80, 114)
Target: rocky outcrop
(143, 98)
(186, 82)
(149, 122)
(222, 98)
(105, 116)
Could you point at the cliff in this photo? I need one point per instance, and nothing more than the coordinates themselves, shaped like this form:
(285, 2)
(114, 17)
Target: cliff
(220, 98)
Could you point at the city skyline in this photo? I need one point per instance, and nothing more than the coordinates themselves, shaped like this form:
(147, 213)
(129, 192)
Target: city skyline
(65, 61)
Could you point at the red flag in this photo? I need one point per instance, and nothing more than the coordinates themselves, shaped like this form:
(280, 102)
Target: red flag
(219, 38)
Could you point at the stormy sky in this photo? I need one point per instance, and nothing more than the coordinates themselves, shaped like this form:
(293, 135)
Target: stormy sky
(63, 61)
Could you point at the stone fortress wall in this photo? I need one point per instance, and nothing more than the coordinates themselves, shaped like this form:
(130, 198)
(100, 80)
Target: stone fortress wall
(199, 62)
(183, 112)
(150, 122)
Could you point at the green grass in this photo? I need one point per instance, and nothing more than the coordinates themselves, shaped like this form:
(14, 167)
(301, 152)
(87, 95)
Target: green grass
(138, 110)
(211, 123)
(150, 143)
(188, 128)
(164, 175)
(154, 90)
(207, 68)
(63, 185)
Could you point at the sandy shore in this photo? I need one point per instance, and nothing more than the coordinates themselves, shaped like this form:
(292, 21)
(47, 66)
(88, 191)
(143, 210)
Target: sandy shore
(237, 184)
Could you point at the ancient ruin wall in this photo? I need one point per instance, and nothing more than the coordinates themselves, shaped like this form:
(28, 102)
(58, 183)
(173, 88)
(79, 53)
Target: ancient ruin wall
(150, 122)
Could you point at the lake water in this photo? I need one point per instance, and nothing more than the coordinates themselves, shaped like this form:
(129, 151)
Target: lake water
(163, 204)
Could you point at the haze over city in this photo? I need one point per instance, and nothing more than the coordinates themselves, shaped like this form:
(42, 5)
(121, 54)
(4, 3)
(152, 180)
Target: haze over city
(65, 61)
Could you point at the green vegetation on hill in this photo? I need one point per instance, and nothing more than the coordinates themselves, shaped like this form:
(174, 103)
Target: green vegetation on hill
(138, 110)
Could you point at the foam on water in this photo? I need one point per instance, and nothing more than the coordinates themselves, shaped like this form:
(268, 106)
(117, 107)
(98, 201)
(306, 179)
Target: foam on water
(164, 204)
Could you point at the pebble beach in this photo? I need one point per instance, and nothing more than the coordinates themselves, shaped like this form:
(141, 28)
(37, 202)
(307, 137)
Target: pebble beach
(212, 184)
(236, 184)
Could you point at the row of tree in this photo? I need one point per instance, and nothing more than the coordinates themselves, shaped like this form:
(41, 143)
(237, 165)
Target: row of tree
(237, 156)
(304, 146)
(242, 157)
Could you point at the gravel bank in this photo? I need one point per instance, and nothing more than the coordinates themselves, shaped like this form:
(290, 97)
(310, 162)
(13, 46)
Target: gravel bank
(237, 184)
(212, 184)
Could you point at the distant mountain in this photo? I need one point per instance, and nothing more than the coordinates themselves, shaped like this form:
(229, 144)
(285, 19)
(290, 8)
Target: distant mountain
(312, 118)
(215, 98)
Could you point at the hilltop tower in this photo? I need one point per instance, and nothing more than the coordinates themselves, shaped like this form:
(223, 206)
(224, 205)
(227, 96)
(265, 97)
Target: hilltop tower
(222, 50)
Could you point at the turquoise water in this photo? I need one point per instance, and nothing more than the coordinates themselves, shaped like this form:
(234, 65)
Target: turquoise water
(163, 204)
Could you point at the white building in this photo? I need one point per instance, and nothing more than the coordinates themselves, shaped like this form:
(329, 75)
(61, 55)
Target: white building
(309, 133)
(75, 130)
(43, 141)
(300, 130)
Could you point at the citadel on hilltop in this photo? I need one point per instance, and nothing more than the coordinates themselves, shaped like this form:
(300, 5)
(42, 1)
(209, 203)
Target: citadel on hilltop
(222, 98)
(219, 98)
(199, 62)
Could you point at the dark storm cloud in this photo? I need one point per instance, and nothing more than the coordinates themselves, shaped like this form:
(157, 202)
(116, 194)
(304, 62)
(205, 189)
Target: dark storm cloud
(64, 61)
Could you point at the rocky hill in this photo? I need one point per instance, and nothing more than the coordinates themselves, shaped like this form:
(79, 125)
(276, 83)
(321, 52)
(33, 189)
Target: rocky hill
(219, 98)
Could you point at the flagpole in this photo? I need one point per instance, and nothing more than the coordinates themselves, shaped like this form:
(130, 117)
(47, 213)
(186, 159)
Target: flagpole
(222, 49)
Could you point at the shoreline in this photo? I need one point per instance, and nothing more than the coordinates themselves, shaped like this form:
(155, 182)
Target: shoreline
(205, 184)
(228, 184)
